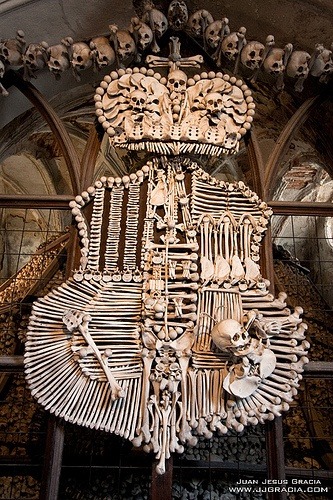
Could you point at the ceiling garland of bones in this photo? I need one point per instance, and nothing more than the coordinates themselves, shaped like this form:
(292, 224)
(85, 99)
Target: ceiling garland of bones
(124, 47)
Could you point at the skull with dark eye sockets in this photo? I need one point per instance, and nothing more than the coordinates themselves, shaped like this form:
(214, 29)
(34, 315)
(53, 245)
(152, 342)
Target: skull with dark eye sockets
(252, 55)
(230, 335)
(81, 58)
(177, 81)
(138, 100)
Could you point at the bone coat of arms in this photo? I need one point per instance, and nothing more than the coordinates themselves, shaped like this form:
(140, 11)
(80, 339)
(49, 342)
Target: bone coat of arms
(168, 331)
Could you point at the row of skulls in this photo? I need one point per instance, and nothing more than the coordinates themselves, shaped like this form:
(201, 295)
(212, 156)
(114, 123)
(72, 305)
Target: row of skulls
(124, 46)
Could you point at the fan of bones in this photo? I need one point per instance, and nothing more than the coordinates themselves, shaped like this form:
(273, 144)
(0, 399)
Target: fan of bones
(122, 46)
(168, 331)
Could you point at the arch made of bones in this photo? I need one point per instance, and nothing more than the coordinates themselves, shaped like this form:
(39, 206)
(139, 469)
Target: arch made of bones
(227, 44)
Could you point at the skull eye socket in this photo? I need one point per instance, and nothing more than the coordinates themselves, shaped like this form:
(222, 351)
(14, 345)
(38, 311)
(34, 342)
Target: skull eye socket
(275, 65)
(210, 102)
(56, 63)
(31, 57)
(236, 337)
(211, 32)
(127, 45)
(79, 59)
(252, 54)
(182, 82)
(230, 45)
(172, 81)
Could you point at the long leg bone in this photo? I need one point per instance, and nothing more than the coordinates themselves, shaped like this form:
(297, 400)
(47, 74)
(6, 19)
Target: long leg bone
(77, 320)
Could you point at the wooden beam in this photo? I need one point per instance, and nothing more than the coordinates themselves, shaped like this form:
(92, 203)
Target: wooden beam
(275, 455)
(318, 369)
(161, 485)
(11, 363)
(57, 202)
(52, 461)
(301, 208)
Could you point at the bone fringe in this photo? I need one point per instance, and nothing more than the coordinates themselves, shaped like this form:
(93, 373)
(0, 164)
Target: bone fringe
(114, 228)
(96, 228)
(132, 224)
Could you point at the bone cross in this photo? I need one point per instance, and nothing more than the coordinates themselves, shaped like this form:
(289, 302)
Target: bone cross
(175, 60)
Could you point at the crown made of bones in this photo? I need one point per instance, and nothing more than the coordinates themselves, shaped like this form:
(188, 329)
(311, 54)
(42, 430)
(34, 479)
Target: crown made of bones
(206, 114)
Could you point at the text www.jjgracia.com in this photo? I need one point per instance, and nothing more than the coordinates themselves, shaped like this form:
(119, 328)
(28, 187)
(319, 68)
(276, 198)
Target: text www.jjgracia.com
(279, 486)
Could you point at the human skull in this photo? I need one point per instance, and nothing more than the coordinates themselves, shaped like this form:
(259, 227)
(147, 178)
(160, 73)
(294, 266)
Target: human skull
(229, 334)
(252, 54)
(230, 46)
(213, 103)
(81, 57)
(157, 21)
(102, 53)
(138, 100)
(273, 63)
(177, 81)
(215, 31)
(144, 35)
(34, 58)
(59, 58)
(11, 50)
(198, 22)
(177, 14)
(323, 65)
(126, 45)
(298, 64)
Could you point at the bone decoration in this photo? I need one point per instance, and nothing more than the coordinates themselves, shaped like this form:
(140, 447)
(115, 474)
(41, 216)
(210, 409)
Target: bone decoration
(141, 109)
(168, 330)
(125, 45)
